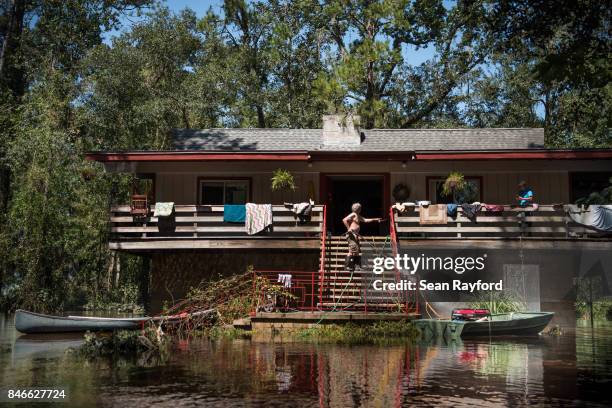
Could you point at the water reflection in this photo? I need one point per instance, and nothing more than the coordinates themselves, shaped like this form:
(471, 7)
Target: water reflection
(566, 370)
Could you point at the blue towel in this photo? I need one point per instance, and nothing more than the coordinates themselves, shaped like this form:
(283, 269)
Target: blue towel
(234, 213)
(451, 210)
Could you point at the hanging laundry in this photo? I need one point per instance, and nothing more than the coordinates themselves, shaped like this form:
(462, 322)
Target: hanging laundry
(433, 214)
(595, 216)
(234, 213)
(258, 218)
(302, 211)
(451, 210)
(471, 210)
(403, 207)
(285, 279)
(163, 209)
(494, 207)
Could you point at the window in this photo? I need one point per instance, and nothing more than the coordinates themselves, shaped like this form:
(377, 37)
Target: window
(219, 192)
(434, 190)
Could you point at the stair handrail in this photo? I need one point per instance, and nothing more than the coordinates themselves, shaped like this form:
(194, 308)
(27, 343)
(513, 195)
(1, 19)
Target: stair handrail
(323, 254)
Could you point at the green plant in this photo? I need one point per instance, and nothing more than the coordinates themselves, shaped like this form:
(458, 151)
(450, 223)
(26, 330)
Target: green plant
(597, 197)
(498, 302)
(350, 333)
(461, 190)
(453, 183)
(282, 180)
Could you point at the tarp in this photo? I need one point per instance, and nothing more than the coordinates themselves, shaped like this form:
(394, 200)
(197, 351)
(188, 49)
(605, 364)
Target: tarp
(595, 216)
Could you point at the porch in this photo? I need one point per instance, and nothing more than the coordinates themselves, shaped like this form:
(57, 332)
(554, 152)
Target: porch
(202, 227)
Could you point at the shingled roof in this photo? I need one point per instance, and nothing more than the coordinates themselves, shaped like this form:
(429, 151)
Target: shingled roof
(373, 140)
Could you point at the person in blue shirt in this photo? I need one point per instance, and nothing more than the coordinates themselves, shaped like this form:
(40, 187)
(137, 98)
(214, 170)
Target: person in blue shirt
(525, 194)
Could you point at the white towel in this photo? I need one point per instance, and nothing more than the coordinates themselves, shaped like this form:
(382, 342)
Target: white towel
(163, 209)
(285, 279)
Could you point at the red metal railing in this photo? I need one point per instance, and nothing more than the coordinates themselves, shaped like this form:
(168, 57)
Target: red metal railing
(323, 254)
(303, 288)
(394, 247)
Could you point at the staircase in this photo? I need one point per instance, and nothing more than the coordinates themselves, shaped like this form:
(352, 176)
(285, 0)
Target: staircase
(343, 290)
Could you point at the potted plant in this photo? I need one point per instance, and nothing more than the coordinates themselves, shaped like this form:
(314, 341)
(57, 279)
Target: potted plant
(456, 186)
(282, 180)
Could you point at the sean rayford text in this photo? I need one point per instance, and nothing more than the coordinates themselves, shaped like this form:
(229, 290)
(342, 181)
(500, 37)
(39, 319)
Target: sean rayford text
(455, 285)
(414, 264)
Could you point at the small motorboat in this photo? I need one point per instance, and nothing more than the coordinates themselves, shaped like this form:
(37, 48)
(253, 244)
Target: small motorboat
(479, 322)
(30, 322)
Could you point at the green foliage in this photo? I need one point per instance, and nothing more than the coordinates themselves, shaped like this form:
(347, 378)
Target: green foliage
(598, 197)
(589, 295)
(282, 180)
(461, 190)
(498, 302)
(374, 333)
(453, 183)
(125, 343)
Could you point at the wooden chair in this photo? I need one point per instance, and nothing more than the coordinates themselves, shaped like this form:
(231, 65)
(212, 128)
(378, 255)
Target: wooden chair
(139, 205)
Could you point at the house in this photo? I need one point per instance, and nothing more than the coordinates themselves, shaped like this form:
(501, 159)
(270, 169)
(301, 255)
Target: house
(341, 164)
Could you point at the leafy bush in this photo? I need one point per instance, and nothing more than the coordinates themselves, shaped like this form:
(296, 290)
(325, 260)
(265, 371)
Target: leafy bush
(498, 302)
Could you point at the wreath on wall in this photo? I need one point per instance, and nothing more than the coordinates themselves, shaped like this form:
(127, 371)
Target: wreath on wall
(401, 192)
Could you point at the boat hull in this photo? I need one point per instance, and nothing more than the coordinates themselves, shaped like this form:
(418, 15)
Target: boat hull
(519, 324)
(29, 322)
(525, 326)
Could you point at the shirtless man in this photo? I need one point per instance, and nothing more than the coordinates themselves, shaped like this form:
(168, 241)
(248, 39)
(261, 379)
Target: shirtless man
(353, 224)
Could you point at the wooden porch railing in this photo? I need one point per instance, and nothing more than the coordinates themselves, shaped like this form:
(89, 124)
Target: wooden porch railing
(548, 221)
(206, 221)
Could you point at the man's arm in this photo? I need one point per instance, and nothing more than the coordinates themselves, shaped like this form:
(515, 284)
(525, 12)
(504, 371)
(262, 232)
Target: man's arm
(347, 220)
(366, 220)
(528, 196)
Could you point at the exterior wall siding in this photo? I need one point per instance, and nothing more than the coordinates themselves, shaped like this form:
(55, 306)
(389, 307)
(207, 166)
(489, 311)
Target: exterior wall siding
(550, 180)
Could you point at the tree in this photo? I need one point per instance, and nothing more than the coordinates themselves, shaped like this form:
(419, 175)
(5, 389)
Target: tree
(563, 48)
(370, 60)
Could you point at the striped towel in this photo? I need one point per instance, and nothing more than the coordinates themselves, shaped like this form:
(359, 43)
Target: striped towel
(258, 218)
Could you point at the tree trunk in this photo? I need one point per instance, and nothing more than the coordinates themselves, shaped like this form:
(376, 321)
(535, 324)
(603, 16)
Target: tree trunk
(261, 119)
(10, 73)
(144, 280)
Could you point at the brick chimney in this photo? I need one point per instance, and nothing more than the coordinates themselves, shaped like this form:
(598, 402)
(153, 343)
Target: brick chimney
(341, 130)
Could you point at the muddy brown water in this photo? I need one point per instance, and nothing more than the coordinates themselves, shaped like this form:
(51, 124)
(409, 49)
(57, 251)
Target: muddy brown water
(574, 369)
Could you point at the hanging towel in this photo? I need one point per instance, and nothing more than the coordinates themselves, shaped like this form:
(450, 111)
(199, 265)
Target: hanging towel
(285, 279)
(433, 214)
(595, 216)
(303, 210)
(451, 210)
(234, 213)
(470, 211)
(494, 207)
(258, 218)
(403, 207)
(163, 209)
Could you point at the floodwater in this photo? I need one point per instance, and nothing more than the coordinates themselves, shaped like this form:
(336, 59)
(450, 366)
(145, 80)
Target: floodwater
(568, 370)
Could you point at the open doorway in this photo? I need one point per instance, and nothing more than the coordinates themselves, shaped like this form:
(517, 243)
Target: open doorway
(341, 191)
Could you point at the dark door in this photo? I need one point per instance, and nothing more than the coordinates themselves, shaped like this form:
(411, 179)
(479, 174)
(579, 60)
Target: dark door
(343, 191)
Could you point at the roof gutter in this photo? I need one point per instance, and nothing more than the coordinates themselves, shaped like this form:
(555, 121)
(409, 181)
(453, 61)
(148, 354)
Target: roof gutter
(305, 156)
(178, 156)
(516, 155)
